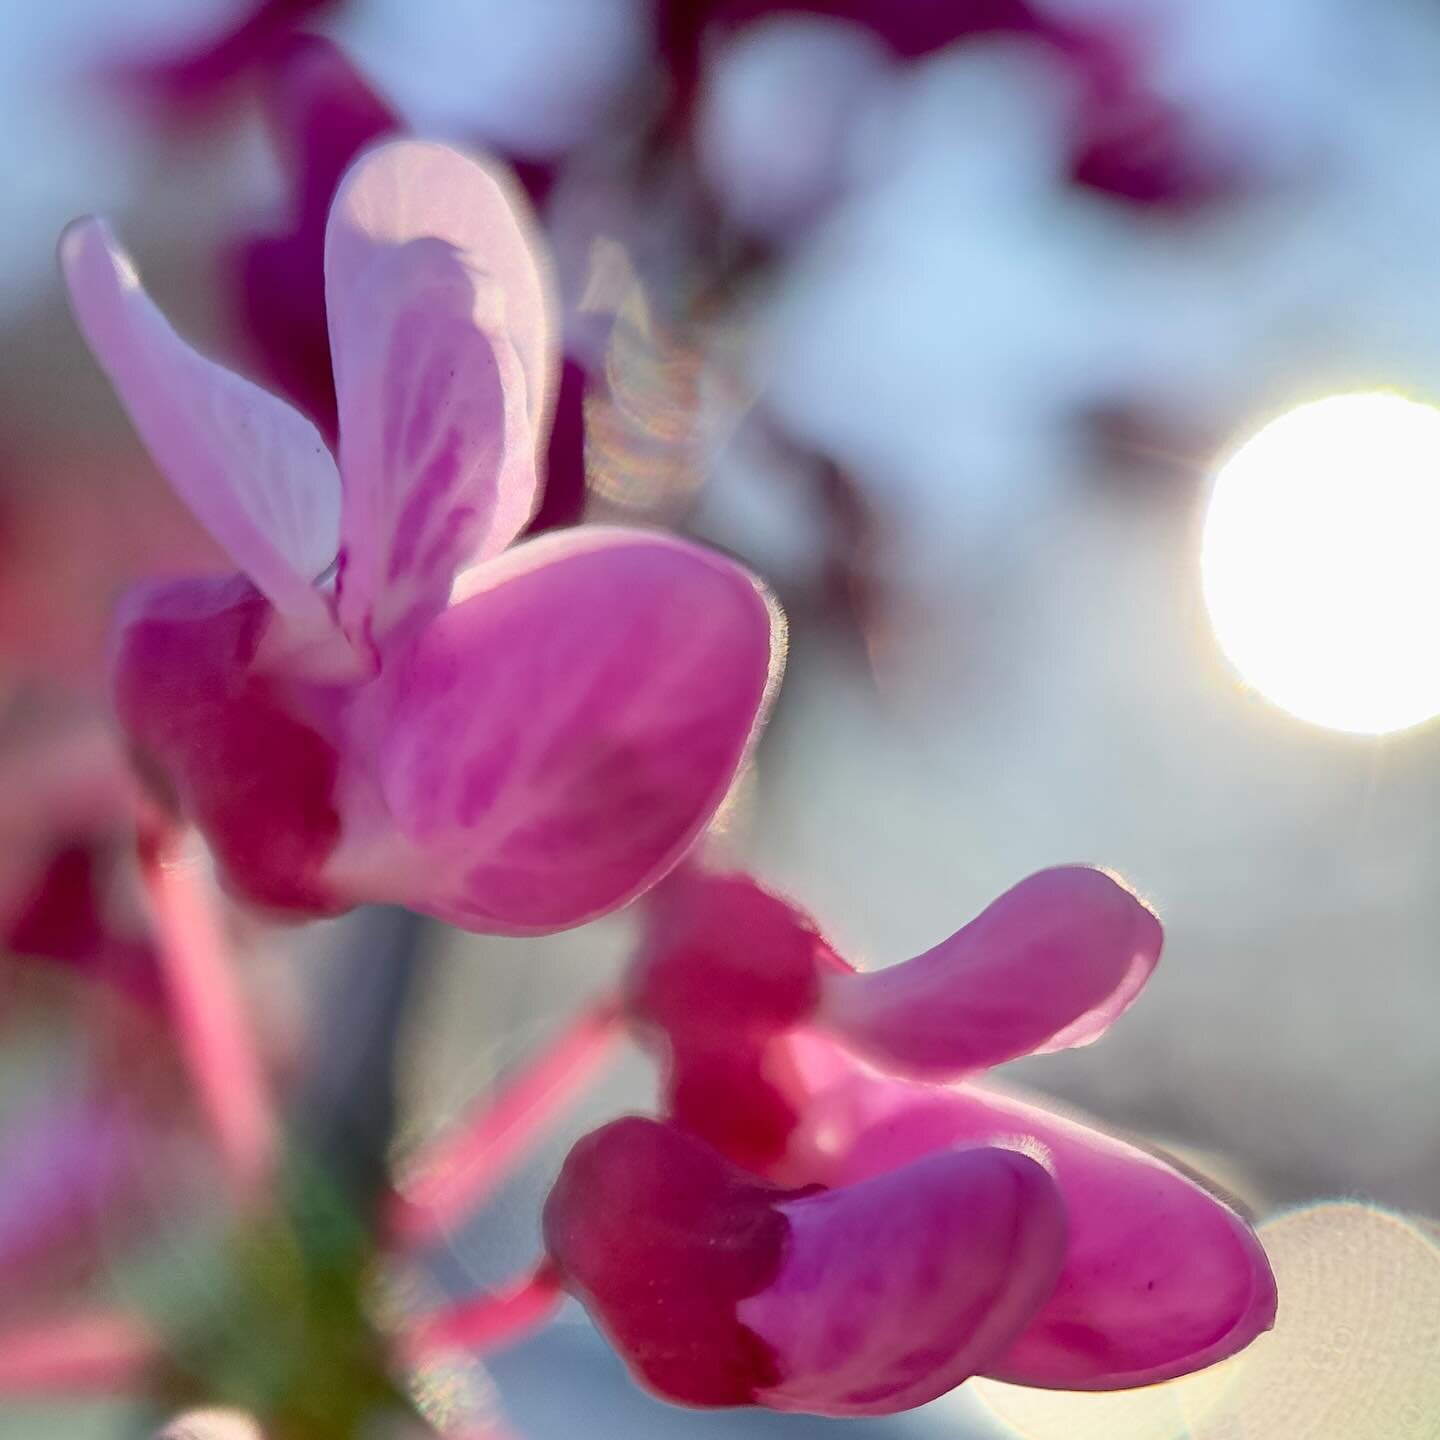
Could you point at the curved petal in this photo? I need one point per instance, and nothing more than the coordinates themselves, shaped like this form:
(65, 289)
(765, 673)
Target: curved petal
(1160, 1279)
(443, 358)
(1049, 965)
(896, 1290)
(660, 1238)
(254, 471)
(554, 743)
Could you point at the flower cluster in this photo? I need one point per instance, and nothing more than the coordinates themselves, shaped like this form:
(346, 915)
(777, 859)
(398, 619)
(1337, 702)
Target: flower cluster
(834, 1216)
(388, 701)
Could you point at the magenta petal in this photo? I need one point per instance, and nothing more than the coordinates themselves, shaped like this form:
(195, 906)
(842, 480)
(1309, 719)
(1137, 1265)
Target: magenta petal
(1160, 1277)
(254, 472)
(661, 1239)
(722, 957)
(226, 744)
(1049, 965)
(442, 351)
(895, 1290)
(559, 739)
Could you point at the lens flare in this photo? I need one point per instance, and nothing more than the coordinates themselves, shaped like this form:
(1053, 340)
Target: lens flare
(1319, 567)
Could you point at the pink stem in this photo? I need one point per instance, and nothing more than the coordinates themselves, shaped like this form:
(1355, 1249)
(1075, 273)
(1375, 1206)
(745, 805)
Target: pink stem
(467, 1164)
(490, 1321)
(209, 1012)
(94, 1352)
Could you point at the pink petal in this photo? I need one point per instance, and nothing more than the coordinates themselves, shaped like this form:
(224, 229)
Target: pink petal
(661, 1238)
(720, 957)
(255, 473)
(723, 967)
(1050, 964)
(227, 745)
(443, 359)
(895, 1290)
(65, 1162)
(559, 739)
(1160, 1277)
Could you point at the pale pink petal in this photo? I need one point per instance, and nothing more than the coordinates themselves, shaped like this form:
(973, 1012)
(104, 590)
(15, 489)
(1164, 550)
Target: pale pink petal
(1161, 1278)
(893, 1291)
(558, 740)
(1050, 964)
(443, 357)
(254, 471)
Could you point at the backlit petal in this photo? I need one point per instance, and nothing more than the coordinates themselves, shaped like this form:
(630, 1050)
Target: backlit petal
(1160, 1278)
(441, 346)
(1049, 965)
(254, 471)
(559, 739)
(898, 1289)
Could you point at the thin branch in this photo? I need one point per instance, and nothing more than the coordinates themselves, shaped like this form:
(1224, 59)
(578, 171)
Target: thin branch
(466, 1165)
(489, 1321)
(92, 1352)
(213, 1028)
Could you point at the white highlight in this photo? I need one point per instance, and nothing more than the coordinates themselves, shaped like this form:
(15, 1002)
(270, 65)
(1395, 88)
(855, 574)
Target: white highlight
(1319, 562)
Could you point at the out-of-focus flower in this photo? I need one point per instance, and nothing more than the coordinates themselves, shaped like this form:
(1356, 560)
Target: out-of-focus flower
(69, 889)
(527, 758)
(812, 62)
(784, 1067)
(199, 76)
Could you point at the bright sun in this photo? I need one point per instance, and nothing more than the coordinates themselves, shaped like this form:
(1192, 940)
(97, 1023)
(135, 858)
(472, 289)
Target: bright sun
(1321, 562)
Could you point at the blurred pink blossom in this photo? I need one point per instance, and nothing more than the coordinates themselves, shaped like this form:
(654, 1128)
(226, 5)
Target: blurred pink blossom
(69, 888)
(195, 78)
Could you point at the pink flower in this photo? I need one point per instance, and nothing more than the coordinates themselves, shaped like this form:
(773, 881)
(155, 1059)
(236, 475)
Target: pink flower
(533, 754)
(862, 1225)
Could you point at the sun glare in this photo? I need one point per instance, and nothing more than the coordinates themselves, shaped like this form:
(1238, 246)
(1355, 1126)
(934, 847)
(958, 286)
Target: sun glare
(1321, 562)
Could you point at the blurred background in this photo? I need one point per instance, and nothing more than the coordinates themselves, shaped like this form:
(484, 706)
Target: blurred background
(944, 317)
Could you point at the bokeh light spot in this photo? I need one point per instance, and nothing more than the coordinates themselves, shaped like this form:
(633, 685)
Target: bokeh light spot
(1319, 566)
